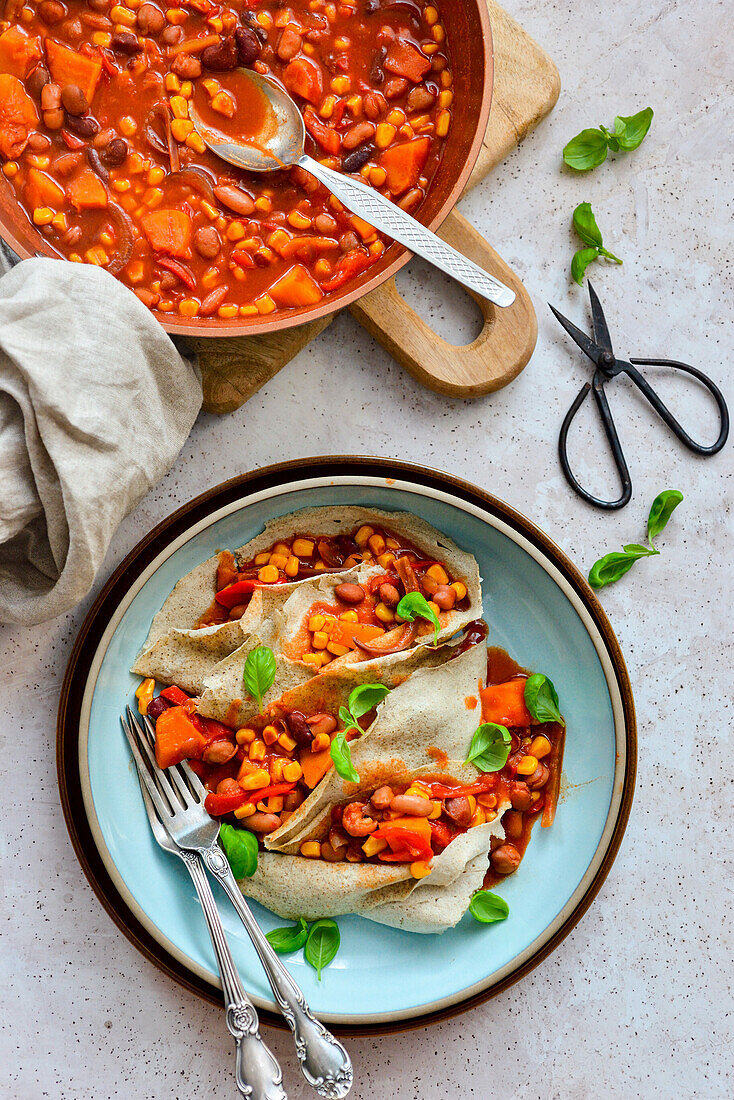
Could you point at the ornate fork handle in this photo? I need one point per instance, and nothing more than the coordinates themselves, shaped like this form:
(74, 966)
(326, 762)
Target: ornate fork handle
(389, 218)
(258, 1074)
(324, 1062)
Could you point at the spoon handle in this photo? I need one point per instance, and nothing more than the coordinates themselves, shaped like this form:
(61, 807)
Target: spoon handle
(384, 215)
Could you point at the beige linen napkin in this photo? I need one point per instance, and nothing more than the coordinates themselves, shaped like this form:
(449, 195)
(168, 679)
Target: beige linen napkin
(95, 405)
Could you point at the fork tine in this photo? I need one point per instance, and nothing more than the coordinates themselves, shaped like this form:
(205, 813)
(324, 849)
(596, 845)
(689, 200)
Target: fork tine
(163, 810)
(168, 778)
(198, 787)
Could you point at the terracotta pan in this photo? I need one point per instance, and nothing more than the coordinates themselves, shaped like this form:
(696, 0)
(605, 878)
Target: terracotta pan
(468, 31)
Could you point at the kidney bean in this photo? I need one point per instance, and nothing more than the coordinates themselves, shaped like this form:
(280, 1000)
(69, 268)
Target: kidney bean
(324, 223)
(355, 160)
(168, 280)
(411, 199)
(382, 798)
(171, 35)
(207, 242)
(412, 804)
(221, 57)
(539, 778)
(150, 19)
(377, 73)
(235, 199)
(349, 593)
(322, 723)
(371, 6)
(512, 824)
(96, 21)
(74, 99)
(72, 237)
(37, 80)
(73, 28)
(50, 97)
(395, 87)
(85, 127)
(186, 66)
(505, 859)
(389, 594)
(420, 99)
(261, 822)
(210, 305)
(38, 142)
(357, 135)
(239, 609)
(51, 11)
(99, 5)
(219, 752)
(126, 43)
(459, 810)
(332, 855)
(248, 45)
(158, 705)
(445, 597)
(115, 152)
(374, 104)
(299, 728)
(53, 119)
(103, 138)
(520, 795)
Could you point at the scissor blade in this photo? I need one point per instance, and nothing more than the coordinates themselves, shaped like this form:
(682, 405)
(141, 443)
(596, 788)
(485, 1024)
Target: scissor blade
(585, 342)
(599, 322)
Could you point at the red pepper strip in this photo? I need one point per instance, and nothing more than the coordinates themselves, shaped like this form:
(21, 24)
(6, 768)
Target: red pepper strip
(406, 845)
(211, 729)
(442, 835)
(346, 268)
(219, 804)
(242, 258)
(323, 135)
(268, 792)
(107, 64)
(72, 141)
(485, 783)
(176, 696)
(179, 270)
(230, 596)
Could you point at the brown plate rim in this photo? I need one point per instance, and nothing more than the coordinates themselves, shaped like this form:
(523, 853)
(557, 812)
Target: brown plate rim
(279, 475)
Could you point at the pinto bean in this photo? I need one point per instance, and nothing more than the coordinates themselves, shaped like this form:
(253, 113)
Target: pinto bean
(248, 45)
(210, 305)
(235, 199)
(99, 5)
(349, 593)
(395, 87)
(171, 35)
(66, 164)
(51, 12)
(207, 242)
(520, 795)
(459, 810)
(38, 142)
(299, 728)
(53, 119)
(37, 80)
(512, 824)
(150, 19)
(103, 138)
(382, 798)
(228, 786)
(420, 99)
(186, 66)
(412, 804)
(50, 97)
(389, 594)
(222, 57)
(322, 723)
(374, 104)
(348, 241)
(358, 134)
(505, 859)
(114, 153)
(261, 822)
(289, 44)
(219, 752)
(445, 597)
(324, 223)
(539, 778)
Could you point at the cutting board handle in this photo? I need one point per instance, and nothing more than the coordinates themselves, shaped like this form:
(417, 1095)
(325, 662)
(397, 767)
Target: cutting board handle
(493, 359)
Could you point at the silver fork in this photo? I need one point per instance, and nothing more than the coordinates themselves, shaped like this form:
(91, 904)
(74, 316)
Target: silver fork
(323, 1060)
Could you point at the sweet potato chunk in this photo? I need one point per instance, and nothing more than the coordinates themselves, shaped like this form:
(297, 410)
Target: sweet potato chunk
(405, 60)
(303, 77)
(86, 191)
(42, 190)
(71, 67)
(18, 116)
(296, 288)
(404, 163)
(168, 231)
(18, 52)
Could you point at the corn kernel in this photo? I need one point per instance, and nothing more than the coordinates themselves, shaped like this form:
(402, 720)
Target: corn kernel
(245, 811)
(350, 616)
(434, 607)
(340, 84)
(257, 750)
(128, 126)
(270, 734)
(384, 135)
(376, 544)
(10, 169)
(373, 845)
(539, 747)
(265, 303)
(326, 109)
(316, 622)
(418, 791)
(153, 197)
(396, 117)
(336, 649)
(188, 307)
(445, 98)
(196, 142)
(298, 220)
(268, 574)
(262, 559)
(388, 557)
(171, 83)
(227, 311)
(187, 89)
(286, 741)
(438, 33)
(60, 224)
(488, 801)
(320, 639)
(320, 742)
(181, 128)
(384, 613)
(430, 15)
(314, 659)
(420, 869)
(176, 16)
(311, 849)
(291, 567)
(477, 818)
(443, 121)
(527, 765)
(255, 780)
(245, 736)
(377, 176)
(123, 16)
(96, 256)
(329, 624)
(459, 589)
(43, 215)
(75, 258)
(179, 106)
(303, 548)
(279, 560)
(275, 767)
(211, 85)
(144, 694)
(101, 38)
(292, 772)
(355, 104)
(435, 812)
(37, 160)
(121, 185)
(264, 204)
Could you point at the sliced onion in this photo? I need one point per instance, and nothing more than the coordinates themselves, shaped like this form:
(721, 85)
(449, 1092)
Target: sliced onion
(126, 238)
(158, 113)
(392, 642)
(405, 571)
(198, 178)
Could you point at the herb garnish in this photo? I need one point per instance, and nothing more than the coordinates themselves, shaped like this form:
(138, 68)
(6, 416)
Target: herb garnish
(585, 225)
(541, 699)
(589, 148)
(259, 674)
(488, 907)
(612, 567)
(415, 604)
(490, 747)
(322, 944)
(240, 848)
(288, 939)
(361, 699)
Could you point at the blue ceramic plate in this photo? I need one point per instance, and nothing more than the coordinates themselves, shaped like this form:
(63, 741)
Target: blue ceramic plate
(538, 608)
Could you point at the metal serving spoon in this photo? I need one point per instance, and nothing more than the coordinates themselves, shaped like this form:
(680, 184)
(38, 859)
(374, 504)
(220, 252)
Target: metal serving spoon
(281, 145)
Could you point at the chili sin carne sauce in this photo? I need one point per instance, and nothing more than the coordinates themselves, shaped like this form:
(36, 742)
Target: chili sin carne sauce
(96, 142)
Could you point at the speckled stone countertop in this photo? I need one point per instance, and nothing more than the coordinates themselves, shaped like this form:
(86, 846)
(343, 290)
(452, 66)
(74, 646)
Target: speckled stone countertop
(635, 1002)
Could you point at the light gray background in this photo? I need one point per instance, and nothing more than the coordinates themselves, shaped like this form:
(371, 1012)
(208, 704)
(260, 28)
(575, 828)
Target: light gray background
(635, 1003)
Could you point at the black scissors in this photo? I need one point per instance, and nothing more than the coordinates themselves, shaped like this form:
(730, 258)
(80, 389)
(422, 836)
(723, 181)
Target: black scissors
(599, 350)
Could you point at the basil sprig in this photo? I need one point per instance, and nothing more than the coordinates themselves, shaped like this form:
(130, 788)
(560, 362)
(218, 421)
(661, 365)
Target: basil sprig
(589, 148)
(541, 699)
(415, 604)
(612, 567)
(259, 673)
(240, 848)
(490, 747)
(322, 944)
(288, 939)
(361, 699)
(487, 907)
(585, 225)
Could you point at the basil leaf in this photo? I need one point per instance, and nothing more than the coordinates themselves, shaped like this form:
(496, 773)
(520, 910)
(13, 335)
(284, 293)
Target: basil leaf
(366, 697)
(415, 604)
(587, 150)
(490, 747)
(639, 551)
(288, 939)
(341, 755)
(541, 699)
(240, 848)
(662, 509)
(612, 567)
(585, 225)
(322, 944)
(581, 261)
(488, 907)
(630, 131)
(259, 674)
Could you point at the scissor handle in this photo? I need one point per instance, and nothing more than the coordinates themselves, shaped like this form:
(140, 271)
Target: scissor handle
(665, 413)
(616, 447)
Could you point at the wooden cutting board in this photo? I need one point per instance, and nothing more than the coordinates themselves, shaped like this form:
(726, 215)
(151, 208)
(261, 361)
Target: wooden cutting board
(526, 87)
